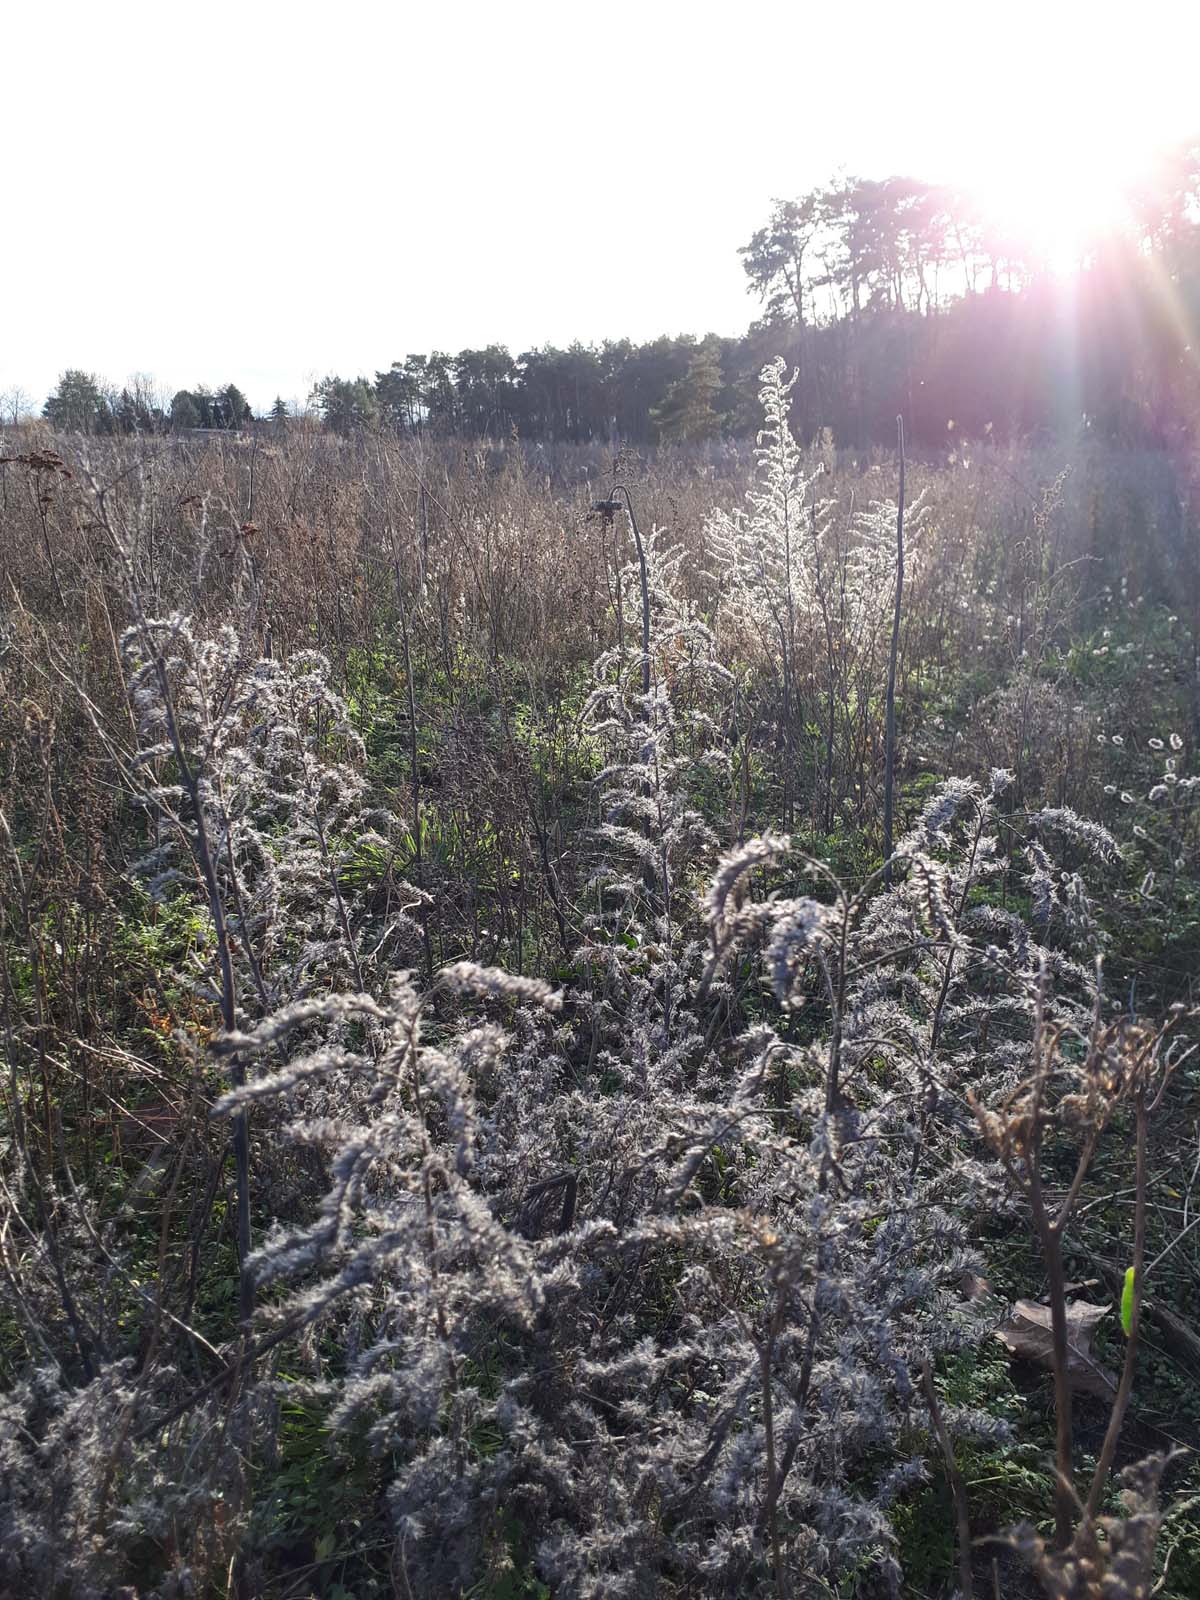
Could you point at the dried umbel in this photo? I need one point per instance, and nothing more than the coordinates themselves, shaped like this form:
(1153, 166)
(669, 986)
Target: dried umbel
(1078, 1083)
(1112, 1557)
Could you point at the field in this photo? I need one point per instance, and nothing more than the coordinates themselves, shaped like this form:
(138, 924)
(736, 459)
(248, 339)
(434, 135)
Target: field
(552, 1008)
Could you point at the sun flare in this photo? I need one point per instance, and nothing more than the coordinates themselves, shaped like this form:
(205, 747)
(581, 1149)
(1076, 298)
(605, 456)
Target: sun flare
(1057, 198)
(1057, 215)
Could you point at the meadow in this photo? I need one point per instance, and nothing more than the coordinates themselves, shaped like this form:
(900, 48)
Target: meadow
(593, 1027)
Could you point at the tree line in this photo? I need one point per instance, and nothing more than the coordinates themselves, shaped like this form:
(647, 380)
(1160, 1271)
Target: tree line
(83, 403)
(887, 297)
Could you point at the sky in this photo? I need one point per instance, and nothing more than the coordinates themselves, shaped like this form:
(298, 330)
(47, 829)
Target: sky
(267, 193)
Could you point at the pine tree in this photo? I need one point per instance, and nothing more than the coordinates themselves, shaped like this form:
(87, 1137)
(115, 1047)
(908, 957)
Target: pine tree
(688, 411)
(79, 405)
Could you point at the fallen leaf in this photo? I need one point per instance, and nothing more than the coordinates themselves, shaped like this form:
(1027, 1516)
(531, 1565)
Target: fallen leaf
(1028, 1334)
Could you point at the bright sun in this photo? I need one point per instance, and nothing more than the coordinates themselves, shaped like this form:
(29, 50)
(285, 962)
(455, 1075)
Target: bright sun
(1091, 113)
(1056, 199)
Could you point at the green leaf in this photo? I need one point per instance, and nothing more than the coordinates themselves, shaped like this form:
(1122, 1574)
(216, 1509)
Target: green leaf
(1127, 1301)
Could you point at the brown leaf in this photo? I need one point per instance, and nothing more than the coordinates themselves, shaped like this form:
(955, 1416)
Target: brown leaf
(1028, 1335)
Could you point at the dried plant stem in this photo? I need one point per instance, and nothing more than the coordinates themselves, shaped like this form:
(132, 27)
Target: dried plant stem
(889, 777)
(958, 1488)
(1121, 1403)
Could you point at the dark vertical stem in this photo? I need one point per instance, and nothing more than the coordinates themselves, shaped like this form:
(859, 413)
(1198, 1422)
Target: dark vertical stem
(240, 1132)
(40, 500)
(644, 578)
(889, 776)
(766, 1355)
(966, 1578)
(1056, 1281)
(413, 749)
(1109, 1448)
(240, 1137)
(831, 668)
(789, 669)
(1049, 1234)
